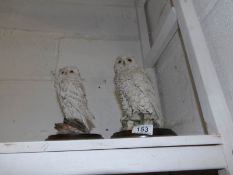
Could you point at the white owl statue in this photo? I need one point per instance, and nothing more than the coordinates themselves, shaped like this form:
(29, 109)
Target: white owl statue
(72, 99)
(136, 95)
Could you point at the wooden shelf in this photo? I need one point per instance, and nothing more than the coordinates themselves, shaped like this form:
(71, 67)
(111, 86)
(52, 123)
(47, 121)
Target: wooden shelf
(108, 156)
(105, 144)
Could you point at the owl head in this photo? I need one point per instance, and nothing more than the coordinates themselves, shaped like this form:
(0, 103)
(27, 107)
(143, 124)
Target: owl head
(124, 63)
(70, 72)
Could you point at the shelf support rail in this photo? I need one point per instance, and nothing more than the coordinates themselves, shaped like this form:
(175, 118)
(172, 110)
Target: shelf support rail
(213, 102)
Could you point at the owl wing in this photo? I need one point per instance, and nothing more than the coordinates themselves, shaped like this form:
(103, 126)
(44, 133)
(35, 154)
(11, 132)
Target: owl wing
(78, 100)
(72, 98)
(144, 88)
(121, 96)
(61, 88)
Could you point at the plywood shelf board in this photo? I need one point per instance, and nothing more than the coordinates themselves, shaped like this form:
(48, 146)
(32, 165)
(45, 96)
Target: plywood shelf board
(108, 144)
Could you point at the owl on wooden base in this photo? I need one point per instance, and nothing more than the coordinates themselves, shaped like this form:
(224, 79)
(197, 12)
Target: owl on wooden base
(136, 95)
(72, 99)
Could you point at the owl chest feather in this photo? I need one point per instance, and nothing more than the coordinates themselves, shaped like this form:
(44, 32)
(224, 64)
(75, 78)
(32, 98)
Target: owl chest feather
(71, 93)
(134, 89)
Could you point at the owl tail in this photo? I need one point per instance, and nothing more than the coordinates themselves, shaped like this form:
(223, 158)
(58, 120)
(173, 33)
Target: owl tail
(76, 123)
(89, 120)
(159, 119)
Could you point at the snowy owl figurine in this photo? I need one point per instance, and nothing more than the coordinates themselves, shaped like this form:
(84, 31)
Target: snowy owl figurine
(72, 99)
(136, 95)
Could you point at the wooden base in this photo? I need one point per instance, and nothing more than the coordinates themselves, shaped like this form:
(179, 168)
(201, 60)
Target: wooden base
(157, 132)
(73, 137)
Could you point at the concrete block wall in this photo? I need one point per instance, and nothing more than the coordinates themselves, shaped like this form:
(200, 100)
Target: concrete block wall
(37, 37)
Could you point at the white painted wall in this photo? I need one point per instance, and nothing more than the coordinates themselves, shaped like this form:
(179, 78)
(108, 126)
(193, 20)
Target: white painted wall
(103, 19)
(177, 97)
(217, 23)
(157, 11)
(178, 101)
(36, 37)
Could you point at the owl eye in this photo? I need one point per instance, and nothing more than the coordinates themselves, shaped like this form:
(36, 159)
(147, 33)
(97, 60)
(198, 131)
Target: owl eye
(71, 71)
(129, 60)
(119, 62)
(62, 72)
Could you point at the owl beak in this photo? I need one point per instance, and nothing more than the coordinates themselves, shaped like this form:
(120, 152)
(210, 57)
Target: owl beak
(124, 63)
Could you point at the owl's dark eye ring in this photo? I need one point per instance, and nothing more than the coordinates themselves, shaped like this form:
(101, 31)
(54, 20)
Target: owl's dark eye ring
(129, 60)
(71, 71)
(119, 62)
(62, 72)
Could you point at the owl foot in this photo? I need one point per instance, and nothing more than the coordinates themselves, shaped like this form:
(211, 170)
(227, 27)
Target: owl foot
(129, 124)
(148, 120)
(142, 119)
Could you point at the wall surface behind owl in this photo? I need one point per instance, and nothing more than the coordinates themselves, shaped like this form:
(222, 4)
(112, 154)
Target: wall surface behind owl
(38, 36)
(176, 92)
(178, 100)
(217, 23)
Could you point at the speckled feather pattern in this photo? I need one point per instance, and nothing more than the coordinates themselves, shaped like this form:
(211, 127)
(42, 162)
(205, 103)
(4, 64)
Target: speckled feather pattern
(136, 94)
(72, 98)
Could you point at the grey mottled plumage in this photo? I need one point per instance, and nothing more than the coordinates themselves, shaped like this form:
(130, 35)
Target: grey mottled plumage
(72, 99)
(136, 94)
